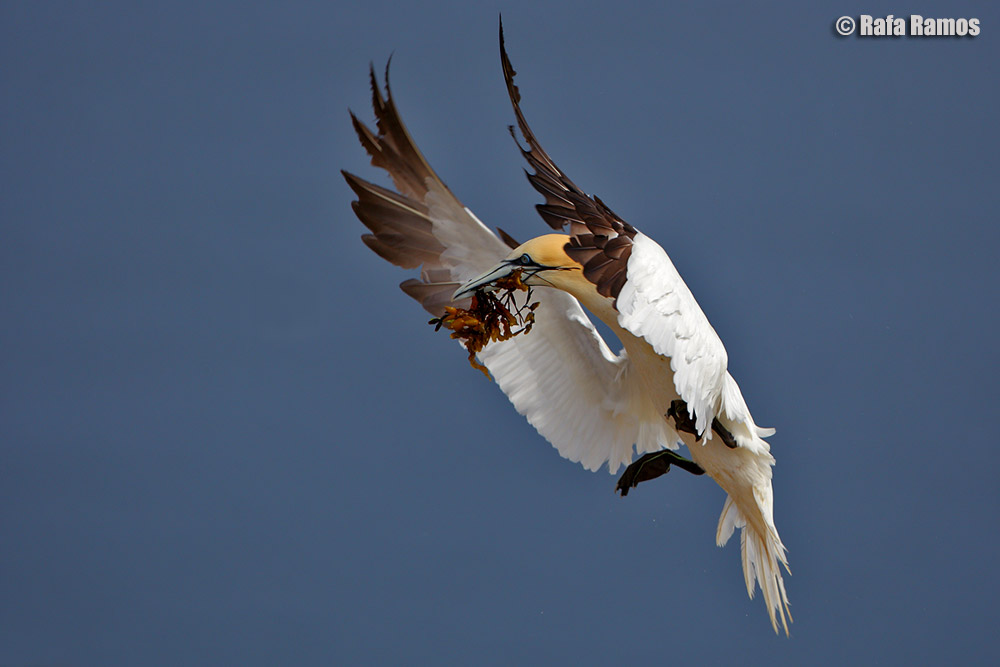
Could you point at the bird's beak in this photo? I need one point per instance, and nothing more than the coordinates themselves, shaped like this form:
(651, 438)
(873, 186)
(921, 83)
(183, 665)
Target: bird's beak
(484, 281)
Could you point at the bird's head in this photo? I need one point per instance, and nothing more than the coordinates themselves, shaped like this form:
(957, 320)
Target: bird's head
(542, 261)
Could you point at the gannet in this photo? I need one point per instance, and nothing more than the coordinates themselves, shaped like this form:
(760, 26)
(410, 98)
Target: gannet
(668, 386)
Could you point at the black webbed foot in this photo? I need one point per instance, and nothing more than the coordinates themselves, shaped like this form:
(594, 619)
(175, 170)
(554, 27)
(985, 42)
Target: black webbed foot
(684, 423)
(682, 420)
(727, 438)
(652, 466)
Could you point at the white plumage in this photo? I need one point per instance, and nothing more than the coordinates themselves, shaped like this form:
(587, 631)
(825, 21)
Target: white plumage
(593, 405)
(656, 305)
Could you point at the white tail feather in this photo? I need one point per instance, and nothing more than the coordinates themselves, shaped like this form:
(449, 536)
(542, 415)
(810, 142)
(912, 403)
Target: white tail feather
(761, 554)
(745, 474)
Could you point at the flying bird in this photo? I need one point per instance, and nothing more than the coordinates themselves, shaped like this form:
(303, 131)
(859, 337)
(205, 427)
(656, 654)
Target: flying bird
(668, 386)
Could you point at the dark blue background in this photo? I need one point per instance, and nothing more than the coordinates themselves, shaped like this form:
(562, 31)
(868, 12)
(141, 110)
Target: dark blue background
(228, 438)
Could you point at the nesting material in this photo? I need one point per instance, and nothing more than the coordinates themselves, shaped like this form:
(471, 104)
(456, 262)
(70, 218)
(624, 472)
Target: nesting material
(492, 316)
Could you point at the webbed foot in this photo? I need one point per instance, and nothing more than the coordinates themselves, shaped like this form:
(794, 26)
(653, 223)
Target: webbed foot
(727, 438)
(682, 420)
(652, 466)
(684, 423)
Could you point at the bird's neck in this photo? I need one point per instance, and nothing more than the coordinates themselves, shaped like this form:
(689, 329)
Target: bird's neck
(586, 293)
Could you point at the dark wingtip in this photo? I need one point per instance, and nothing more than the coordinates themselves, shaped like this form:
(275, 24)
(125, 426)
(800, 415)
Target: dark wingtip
(508, 239)
(517, 142)
(388, 62)
(352, 181)
(367, 139)
(508, 71)
(377, 103)
(378, 100)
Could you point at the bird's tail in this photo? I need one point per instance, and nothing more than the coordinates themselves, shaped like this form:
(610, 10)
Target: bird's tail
(760, 546)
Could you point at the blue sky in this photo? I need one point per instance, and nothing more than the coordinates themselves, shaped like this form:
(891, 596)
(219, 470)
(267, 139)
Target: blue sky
(229, 438)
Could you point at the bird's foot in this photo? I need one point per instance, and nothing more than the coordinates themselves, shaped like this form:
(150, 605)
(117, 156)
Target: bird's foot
(727, 438)
(682, 420)
(652, 466)
(684, 423)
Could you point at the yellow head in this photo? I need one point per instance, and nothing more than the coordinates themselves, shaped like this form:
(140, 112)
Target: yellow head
(542, 261)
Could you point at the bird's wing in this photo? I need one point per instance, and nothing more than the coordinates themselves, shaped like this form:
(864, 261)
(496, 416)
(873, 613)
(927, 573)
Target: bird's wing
(423, 225)
(652, 300)
(561, 376)
(574, 390)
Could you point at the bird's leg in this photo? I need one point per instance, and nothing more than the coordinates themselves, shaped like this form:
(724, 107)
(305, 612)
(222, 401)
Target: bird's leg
(683, 422)
(652, 466)
(723, 432)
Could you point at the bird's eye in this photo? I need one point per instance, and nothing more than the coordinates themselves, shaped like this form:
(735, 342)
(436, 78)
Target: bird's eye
(525, 259)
